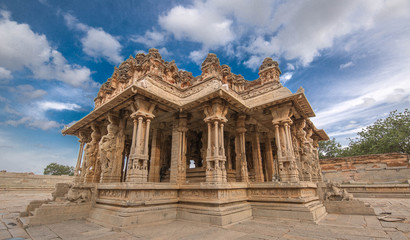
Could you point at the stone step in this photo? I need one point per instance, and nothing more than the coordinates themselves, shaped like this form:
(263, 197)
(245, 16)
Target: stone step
(23, 221)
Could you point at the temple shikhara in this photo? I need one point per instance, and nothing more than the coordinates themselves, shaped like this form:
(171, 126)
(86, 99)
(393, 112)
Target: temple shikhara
(162, 144)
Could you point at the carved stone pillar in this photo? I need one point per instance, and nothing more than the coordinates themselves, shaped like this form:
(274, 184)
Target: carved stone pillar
(281, 121)
(241, 164)
(215, 157)
(155, 164)
(257, 158)
(91, 155)
(111, 148)
(270, 167)
(138, 164)
(78, 167)
(178, 151)
(305, 152)
(319, 176)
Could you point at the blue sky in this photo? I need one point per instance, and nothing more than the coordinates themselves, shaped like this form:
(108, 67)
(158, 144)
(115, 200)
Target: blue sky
(352, 57)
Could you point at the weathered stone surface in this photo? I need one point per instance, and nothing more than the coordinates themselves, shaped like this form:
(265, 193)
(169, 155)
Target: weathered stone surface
(333, 226)
(368, 169)
(10, 181)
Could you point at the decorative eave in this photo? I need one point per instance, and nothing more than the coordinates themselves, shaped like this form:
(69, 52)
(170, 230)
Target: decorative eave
(304, 104)
(112, 103)
(322, 134)
(319, 132)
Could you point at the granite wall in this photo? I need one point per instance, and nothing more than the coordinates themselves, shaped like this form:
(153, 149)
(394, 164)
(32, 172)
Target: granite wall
(367, 169)
(10, 181)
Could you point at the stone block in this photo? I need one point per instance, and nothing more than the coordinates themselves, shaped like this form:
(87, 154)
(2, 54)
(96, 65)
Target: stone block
(354, 207)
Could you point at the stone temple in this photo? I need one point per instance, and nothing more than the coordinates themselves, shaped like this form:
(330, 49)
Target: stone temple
(162, 144)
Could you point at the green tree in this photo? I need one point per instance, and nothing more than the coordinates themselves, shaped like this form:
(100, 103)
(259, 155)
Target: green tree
(58, 169)
(329, 149)
(391, 134)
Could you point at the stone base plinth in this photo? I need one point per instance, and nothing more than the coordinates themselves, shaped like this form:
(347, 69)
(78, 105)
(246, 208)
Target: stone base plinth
(312, 212)
(215, 214)
(286, 200)
(353, 207)
(119, 217)
(124, 205)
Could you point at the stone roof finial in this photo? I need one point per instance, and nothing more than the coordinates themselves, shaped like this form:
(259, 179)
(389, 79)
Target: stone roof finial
(211, 67)
(268, 63)
(210, 59)
(269, 71)
(153, 53)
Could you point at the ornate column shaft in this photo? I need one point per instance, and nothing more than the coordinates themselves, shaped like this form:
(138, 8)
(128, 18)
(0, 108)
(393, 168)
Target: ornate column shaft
(138, 162)
(241, 164)
(257, 159)
(269, 159)
(316, 169)
(154, 170)
(178, 151)
(216, 159)
(288, 171)
(78, 169)
(91, 155)
(319, 176)
(111, 148)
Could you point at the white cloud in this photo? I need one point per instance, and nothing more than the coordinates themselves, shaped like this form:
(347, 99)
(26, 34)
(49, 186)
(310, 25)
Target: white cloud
(9, 110)
(151, 38)
(58, 106)
(295, 30)
(286, 77)
(33, 115)
(164, 52)
(372, 95)
(4, 73)
(20, 48)
(198, 56)
(304, 28)
(346, 65)
(254, 62)
(198, 23)
(97, 43)
(43, 124)
(290, 67)
(16, 123)
(27, 92)
(345, 132)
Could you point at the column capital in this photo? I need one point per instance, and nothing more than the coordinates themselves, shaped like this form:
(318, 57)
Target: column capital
(216, 111)
(83, 137)
(281, 114)
(142, 107)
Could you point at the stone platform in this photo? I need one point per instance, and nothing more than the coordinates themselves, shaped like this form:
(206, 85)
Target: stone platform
(125, 205)
(332, 226)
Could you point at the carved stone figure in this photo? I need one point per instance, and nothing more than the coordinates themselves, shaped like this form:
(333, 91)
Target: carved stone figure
(107, 148)
(338, 194)
(78, 195)
(90, 156)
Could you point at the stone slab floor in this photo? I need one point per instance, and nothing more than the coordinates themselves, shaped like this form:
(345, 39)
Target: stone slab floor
(332, 227)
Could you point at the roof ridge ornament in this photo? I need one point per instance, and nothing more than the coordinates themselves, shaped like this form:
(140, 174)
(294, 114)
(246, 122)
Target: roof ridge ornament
(269, 71)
